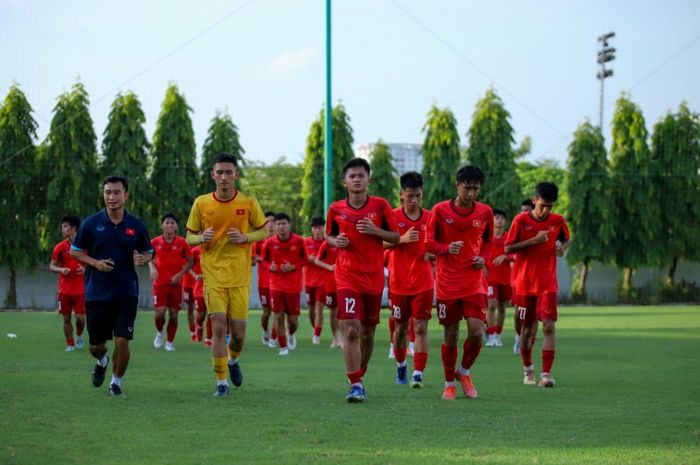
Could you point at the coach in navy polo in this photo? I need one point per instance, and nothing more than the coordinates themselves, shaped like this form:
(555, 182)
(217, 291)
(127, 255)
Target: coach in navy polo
(111, 243)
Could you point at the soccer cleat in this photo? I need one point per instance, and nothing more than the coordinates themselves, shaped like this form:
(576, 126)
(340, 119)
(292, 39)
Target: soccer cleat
(79, 344)
(207, 343)
(193, 336)
(292, 344)
(283, 351)
(70, 348)
(498, 341)
(234, 371)
(411, 349)
(467, 386)
(334, 343)
(529, 377)
(391, 351)
(546, 381)
(170, 347)
(356, 394)
(402, 375)
(417, 381)
(98, 374)
(158, 340)
(221, 390)
(115, 390)
(516, 345)
(450, 393)
(272, 344)
(490, 341)
(315, 339)
(265, 338)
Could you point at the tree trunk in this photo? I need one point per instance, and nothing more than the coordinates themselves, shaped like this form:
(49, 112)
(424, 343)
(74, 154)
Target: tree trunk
(627, 274)
(12, 292)
(583, 277)
(672, 272)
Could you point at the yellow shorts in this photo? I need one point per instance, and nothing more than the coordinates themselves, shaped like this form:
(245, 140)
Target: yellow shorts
(230, 300)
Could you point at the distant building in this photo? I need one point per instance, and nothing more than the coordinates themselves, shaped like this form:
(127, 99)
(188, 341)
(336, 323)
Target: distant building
(407, 157)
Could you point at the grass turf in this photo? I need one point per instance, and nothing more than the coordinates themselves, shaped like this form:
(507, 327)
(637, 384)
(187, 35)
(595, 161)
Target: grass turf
(628, 392)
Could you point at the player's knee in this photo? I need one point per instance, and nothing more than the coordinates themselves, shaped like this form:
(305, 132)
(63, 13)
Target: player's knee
(548, 327)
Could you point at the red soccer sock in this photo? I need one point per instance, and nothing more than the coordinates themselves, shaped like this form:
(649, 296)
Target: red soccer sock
(172, 329)
(526, 354)
(355, 377)
(471, 351)
(70, 342)
(273, 335)
(392, 327)
(449, 358)
(317, 331)
(420, 359)
(282, 341)
(400, 354)
(499, 329)
(209, 330)
(160, 322)
(362, 372)
(547, 360)
(411, 331)
(489, 330)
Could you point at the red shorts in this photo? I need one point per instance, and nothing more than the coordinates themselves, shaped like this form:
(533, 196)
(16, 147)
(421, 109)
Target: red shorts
(285, 302)
(419, 306)
(500, 292)
(353, 305)
(454, 310)
(165, 295)
(68, 303)
(531, 308)
(199, 304)
(315, 294)
(187, 295)
(264, 293)
(331, 299)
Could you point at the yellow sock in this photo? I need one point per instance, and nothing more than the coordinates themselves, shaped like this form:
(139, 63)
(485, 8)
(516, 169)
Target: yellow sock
(219, 365)
(233, 355)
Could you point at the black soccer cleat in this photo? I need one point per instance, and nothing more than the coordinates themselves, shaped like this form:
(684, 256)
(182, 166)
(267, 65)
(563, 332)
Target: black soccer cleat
(115, 390)
(98, 374)
(236, 374)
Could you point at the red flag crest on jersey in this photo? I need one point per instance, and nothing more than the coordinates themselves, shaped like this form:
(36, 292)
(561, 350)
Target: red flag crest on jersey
(130, 232)
(372, 216)
(476, 223)
(240, 211)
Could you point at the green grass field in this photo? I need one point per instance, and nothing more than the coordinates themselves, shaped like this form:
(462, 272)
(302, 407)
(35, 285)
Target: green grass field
(628, 393)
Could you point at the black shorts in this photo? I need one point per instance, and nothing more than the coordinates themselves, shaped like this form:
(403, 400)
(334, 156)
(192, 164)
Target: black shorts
(111, 318)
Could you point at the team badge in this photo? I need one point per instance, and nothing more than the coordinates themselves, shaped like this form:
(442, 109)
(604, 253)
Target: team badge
(476, 223)
(240, 211)
(372, 216)
(449, 220)
(130, 232)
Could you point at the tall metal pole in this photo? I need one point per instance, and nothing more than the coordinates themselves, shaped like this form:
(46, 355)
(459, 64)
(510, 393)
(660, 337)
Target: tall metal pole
(602, 80)
(605, 54)
(328, 147)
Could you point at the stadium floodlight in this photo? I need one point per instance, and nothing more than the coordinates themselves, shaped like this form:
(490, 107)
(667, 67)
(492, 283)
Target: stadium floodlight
(605, 55)
(605, 37)
(604, 74)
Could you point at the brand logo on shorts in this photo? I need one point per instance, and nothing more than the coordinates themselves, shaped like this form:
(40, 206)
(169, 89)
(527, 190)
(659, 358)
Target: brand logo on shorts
(130, 329)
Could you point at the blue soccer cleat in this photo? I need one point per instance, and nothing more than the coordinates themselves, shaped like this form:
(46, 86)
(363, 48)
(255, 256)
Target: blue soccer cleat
(402, 375)
(356, 394)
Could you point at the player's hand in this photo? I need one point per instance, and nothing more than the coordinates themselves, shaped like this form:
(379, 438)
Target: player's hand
(409, 236)
(273, 267)
(207, 235)
(332, 268)
(541, 237)
(342, 241)
(153, 274)
(80, 270)
(235, 236)
(429, 257)
(559, 250)
(498, 261)
(175, 280)
(139, 259)
(478, 262)
(65, 271)
(367, 226)
(105, 265)
(455, 247)
(199, 277)
(287, 267)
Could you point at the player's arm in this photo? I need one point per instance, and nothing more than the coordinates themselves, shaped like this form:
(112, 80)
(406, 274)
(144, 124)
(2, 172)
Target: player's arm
(199, 237)
(56, 268)
(479, 261)
(105, 265)
(433, 244)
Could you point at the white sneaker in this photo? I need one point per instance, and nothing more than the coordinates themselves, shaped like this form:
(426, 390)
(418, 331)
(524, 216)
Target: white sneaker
(334, 343)
(283, 351)
(70, 348)
(516, 345)
(158, 341)
(265, 338)
(411, 349)
(170, 347)
(391, 351)
(79, 344)
(497, 341)
(316, 339)
(292, 344)
(529, 376)
(489, 341)
(272, 344)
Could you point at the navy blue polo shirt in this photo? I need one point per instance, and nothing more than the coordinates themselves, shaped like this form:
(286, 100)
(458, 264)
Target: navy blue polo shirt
(101, 238)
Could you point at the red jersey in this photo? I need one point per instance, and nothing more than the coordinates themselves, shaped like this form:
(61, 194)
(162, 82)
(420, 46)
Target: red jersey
(409, 272)
(291, 251)
(314, 276)
(360, 265)
(456, 275)
(328, 254)
(499, 274)
(187, 280)
(263, 268)
(72, 283)
(169, 257)
(198, 288)
(535, 268)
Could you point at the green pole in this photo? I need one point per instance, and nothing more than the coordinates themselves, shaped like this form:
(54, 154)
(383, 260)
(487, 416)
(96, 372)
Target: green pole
(328, 148)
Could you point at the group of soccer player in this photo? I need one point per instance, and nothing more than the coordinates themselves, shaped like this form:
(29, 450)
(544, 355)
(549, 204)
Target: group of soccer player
(458, 255)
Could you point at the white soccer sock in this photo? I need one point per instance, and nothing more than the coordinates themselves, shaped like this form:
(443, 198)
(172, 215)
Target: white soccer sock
(232, 361)
(116, 380)
(103, 361)
(221, 382)
(463, 371)
(417, 372)
(402, 364)
(449, 383)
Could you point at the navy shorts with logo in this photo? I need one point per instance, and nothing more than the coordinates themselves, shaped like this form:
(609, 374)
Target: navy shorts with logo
(111, 318)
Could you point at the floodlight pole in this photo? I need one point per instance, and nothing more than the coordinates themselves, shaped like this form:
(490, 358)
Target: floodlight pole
(605, 54)
(328, 146)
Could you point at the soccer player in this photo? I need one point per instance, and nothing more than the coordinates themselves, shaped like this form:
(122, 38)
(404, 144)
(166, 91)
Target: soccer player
(525, 207)
(110, 244)
(264, 284)
(459, 233)
(325, 259)
(285, 255)
(537, 238)
(71, 284)
(172, 260)
(225, 222)
(315, 277)
(411, 279)
(198, 298)
(358, 226)
(498, 280)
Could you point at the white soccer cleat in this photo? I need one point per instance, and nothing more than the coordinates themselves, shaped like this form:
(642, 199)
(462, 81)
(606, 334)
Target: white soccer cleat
(170, 347)
(391, 351)
(411, 349)
(272, 344)
(316, 339)
(489, 341)
(283, 351)
(292, 344)
(79, 343)
(529, 377)
(265, 338)
(497, 341)
(516, 345)
(334, 343)
(546, 381)
(70, 348)
(158, 340)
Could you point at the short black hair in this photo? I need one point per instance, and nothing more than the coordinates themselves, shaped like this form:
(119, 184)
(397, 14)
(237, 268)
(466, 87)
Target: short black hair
(115, 179)
(527, 203)
(282, 216)
(167, 215)
(470, 173)
(71, 220)
(357, 163)
(317, 221)
(224, 157)
(498, 211)
(411, 180)
(547, 190)
(269, 213)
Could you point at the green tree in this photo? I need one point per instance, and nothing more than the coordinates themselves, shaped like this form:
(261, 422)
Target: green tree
(676, 154)
(222, 137)
(69, 158)
(441, 156)
(491, 149)
(342, 148)
(19, 203)
(174, 175)
(125, 153)
(530, 174)
(264, 183)
(590, 214)
(312, 179)
(633, 194)
(385, 182)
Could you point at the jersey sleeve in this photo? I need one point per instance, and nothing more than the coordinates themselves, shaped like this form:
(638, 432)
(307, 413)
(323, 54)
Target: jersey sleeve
(332, 227)
(432, 237)
(257, 216)
(322, 251)
(82, 237)
(194, 221)
(390, 221)
(303, 254)
(514, 232)
(487, 238)
(564, 234)
(186, 250)
(143, 244)
(56, 254)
